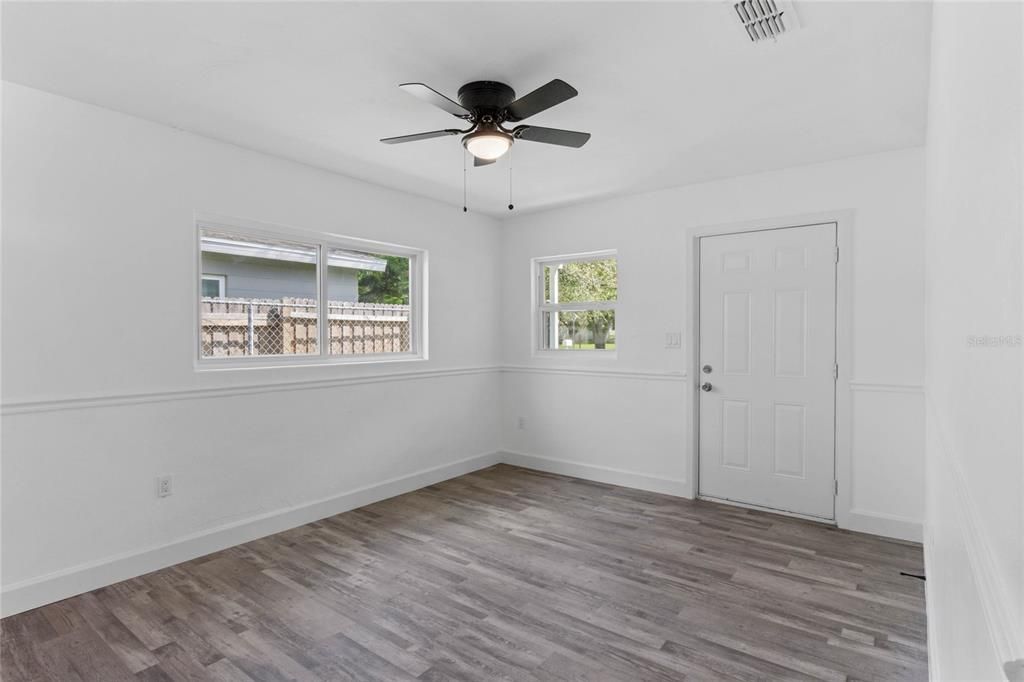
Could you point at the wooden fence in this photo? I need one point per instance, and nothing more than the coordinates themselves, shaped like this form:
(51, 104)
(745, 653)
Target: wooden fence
(288, 326)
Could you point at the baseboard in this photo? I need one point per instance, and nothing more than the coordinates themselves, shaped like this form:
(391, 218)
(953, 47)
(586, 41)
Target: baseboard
(931, 603)
(965, 531)
(995, 599)
(886, 525)
(69, 582)
(59, 585)
(601, 474)
(857, 520)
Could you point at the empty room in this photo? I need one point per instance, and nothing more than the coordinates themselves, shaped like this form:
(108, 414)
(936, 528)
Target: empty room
(486, 340)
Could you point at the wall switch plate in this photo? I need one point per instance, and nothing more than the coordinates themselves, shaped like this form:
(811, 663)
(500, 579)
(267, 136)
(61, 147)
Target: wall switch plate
(163, 486)
(673, 339)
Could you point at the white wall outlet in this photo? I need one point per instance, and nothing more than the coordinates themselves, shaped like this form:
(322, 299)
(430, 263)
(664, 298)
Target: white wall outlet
(673, 339)
(521, 423)
(163, 486)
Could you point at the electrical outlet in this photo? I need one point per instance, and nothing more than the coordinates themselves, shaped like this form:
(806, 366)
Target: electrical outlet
(521, 423)
(163, 486)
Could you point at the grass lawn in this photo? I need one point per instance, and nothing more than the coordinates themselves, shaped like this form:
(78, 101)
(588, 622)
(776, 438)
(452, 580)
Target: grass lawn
(588, 346)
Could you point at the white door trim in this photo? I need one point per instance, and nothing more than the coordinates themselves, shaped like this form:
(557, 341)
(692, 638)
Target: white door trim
(843, 220)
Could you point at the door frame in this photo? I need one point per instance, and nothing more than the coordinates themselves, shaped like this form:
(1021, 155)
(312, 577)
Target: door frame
(843, 434)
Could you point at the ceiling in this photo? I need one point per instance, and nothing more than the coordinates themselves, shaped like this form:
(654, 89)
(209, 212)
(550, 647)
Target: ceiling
(673, 92)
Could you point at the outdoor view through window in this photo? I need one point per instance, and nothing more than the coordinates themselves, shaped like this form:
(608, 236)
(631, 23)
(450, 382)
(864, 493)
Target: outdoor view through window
(577, 306)
(369, 310)
(260, 297)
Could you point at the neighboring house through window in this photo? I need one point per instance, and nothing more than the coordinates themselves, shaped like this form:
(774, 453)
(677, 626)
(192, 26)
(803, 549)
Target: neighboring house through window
(273, 290)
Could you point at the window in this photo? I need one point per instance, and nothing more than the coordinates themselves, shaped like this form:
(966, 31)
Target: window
(299, 297)
(576, 297)
(368, 302)
(214, 286)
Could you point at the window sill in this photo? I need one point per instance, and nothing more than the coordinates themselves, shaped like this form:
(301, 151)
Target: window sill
(577, 355)
(279, 362)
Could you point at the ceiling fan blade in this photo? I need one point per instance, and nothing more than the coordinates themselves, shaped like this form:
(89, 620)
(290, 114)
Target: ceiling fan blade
(544, 97)
(482, 162)
(432, 96)
(419, 136)
(565, 138)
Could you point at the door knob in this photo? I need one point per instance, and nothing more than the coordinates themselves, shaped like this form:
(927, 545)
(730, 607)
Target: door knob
(706, 386)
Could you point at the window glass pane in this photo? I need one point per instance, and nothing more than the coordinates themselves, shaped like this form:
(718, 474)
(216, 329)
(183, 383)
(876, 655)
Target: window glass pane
(270, 306)
(580, 281)
(578, 330)
(368, 303)
(211, 287)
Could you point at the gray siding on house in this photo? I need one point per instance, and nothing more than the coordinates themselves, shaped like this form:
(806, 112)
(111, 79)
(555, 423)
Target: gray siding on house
(266, 278)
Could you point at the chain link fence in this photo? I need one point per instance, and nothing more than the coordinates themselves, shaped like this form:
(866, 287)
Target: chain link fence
(288, 326)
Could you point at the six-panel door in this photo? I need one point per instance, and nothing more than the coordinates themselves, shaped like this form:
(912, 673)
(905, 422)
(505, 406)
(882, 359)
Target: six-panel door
(767, 337)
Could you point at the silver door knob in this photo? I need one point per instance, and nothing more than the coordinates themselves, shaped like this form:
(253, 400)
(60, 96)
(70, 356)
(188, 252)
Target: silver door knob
(706, 386)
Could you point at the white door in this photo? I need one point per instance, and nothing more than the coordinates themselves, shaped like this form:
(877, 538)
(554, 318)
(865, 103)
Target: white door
(767, 357)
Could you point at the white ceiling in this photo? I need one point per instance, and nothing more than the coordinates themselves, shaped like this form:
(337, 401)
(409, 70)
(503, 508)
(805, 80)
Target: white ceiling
(674, 93)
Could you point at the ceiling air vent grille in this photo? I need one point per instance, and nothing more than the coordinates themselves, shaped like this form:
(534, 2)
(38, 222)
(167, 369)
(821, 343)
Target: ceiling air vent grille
(763, 19)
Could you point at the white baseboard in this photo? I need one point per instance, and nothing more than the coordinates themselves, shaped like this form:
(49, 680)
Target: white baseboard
(66, 583)
(932, 607)
(857, 520)
(995, 599)
(601, 474)
(69, 582)
(886, 525)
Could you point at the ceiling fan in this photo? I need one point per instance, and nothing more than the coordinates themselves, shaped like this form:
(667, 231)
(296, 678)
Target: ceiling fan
(488, 106)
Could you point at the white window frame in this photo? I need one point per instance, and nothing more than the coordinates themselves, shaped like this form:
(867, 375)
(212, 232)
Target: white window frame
(540, 306)
(323, 242)
(221, 280)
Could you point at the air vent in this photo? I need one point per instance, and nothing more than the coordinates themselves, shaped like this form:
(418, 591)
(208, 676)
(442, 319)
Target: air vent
(763, 19)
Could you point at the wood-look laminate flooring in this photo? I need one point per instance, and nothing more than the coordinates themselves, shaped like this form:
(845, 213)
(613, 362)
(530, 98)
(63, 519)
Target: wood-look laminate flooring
(505, 573)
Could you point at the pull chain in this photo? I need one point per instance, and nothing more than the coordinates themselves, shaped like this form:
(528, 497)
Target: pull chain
(510, 206)
(464, 209)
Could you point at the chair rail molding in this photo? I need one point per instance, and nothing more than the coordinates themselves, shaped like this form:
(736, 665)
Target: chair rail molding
(595, 372)
(881, 387)
(117, 399)
(114, 399)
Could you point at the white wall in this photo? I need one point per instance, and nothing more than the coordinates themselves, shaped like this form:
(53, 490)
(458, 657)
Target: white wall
(99, 390)
(89, 422)
(627, 419)
(975, 467)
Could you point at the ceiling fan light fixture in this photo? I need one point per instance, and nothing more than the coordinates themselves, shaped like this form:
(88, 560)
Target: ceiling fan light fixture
(487, 144)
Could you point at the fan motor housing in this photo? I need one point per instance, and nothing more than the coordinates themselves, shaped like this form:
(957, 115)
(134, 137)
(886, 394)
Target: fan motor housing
(486, 97)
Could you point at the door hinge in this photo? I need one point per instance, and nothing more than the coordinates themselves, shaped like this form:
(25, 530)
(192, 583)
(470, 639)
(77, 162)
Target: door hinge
(835, 371)
(837, 254)
(835, 491)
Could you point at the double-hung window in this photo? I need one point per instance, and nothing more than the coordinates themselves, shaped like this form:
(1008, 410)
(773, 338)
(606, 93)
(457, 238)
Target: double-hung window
(576, 296)
(282, 296)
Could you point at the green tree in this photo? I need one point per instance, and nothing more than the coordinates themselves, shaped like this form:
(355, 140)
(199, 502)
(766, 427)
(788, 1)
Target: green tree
(389, 286)
(595, 280)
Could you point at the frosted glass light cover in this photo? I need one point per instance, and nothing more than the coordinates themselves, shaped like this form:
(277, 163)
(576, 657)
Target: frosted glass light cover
(488, 147)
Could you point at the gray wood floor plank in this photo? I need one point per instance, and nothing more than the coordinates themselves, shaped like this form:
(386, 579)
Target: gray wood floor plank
(503, 574)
